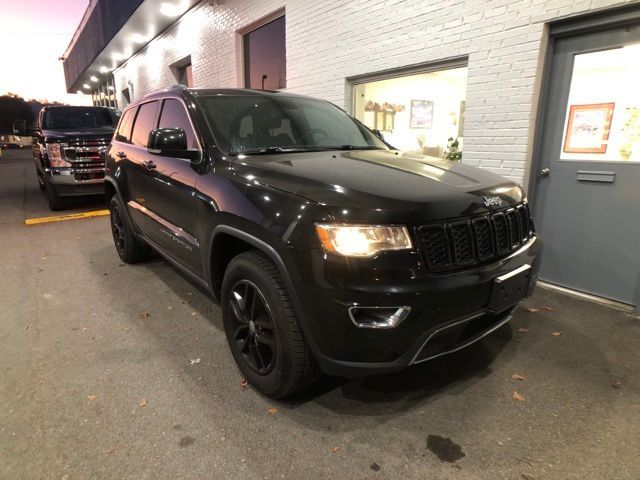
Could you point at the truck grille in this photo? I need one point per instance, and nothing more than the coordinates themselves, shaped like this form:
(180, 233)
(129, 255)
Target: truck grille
(475, 240)
(87, 158)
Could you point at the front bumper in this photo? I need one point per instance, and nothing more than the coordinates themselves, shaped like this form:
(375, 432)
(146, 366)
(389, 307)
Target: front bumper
(65, 183)
(448, 311)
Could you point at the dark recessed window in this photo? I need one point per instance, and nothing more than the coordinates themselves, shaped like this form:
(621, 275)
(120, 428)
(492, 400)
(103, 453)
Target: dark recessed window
(265, 62)
(184, 76)
(182, 71)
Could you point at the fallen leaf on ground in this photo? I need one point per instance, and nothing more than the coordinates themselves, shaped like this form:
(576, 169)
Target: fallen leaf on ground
(518, 397)
(92, 397)
(144, 315)
(126, 328)
(523, 330)
(244, 383)
(186, 301)
(84, 329)
(272, 411)
(375, 467)
(548, 308)
(532, 309)
(193, 314)
(617, 385)
(188, 294)
(556, 334)
(515, 376)
(143, 403)
(169, 307)
(335, 449)
(195, 360)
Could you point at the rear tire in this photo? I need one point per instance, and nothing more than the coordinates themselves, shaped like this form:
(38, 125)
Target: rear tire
(41, 185)
(262, 329)
(130, 249)
(55, 202)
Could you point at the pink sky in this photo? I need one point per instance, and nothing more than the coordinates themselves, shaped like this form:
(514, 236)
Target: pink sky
(33, 34)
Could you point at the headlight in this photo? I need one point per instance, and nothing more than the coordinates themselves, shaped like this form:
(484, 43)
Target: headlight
(54, 153)
(362, 240)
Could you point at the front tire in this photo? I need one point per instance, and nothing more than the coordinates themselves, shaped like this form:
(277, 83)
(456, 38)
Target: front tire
(130, 249)
(55, 202)
(262, 329)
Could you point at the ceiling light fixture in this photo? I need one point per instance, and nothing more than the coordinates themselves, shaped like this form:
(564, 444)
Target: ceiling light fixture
(86, 85)
(93, 78)
(171, 10)
(104, 69)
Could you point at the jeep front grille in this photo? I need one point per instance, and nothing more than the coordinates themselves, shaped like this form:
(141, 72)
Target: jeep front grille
(471, 241)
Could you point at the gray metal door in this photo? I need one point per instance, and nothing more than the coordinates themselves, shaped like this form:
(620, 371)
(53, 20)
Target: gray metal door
(587, 176)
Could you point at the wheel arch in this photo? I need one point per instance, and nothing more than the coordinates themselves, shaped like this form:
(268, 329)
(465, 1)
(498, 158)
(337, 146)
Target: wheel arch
(245, 241)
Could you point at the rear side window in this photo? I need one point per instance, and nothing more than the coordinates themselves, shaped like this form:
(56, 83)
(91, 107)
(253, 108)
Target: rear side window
(124, 127)
(174, 115)
(144, 123)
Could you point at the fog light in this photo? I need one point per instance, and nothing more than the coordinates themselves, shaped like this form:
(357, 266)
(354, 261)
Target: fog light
(377, 317)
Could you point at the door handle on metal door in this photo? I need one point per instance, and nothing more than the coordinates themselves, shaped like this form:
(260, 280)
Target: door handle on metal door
(545, 172)
(150, 164)
(121, 155)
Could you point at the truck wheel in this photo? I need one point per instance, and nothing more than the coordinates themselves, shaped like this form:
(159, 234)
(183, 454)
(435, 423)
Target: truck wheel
(55, 202)
(129, 248)
(262, 329)
(41, 185)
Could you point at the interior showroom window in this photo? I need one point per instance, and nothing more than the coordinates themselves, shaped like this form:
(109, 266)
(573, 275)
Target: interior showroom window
(418, 112)
(265, 64)
(603, 112)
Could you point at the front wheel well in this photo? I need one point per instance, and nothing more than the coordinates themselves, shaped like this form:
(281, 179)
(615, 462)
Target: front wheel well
(225, 248)
(109, 191)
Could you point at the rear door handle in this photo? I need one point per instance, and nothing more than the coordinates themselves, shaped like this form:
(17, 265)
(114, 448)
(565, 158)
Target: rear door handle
(149, 164)
(121, 155)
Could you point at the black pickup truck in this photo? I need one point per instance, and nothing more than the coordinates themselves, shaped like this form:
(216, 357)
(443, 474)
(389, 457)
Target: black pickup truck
(328, 249)
(69, 145)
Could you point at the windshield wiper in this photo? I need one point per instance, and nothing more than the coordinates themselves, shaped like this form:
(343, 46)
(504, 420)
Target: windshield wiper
(355, 147)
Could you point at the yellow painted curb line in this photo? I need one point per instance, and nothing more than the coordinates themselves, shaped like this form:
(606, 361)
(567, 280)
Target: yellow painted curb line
(62, 218)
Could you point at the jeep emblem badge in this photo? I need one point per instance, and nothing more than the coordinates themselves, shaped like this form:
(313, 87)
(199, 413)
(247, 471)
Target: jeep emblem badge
(492, 201)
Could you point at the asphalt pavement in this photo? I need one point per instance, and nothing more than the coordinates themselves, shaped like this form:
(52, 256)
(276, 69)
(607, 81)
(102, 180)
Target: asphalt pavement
(118, 371)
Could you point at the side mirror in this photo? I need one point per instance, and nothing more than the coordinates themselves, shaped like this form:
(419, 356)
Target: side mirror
(21, 129)
(378, 134)
(171, 142)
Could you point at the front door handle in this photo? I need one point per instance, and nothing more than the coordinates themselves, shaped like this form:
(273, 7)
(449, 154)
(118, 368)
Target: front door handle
(545, 172)
(150, 164)
(121, 155)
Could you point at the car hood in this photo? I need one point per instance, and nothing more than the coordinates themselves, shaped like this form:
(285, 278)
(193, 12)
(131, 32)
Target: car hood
(381, 185)
(78, 134)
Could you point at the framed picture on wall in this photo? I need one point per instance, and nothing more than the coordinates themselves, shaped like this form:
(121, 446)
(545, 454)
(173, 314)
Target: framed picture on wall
(588, 128)
(421, 114)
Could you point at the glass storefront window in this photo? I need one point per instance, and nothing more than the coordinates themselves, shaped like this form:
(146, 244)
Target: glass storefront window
(416, 113)
(603, 110)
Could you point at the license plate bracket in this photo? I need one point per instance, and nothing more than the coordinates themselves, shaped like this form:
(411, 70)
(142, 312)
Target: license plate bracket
(509, 289)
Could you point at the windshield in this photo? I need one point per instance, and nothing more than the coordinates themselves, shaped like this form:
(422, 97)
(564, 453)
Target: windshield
(257, 124)
(72, 118)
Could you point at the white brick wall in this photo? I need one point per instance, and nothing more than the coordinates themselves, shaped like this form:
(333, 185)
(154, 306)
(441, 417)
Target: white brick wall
(332, 40)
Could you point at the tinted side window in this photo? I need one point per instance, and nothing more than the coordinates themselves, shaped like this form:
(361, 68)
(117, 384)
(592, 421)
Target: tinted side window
(174, 115)
(124, 127)
(144, 123)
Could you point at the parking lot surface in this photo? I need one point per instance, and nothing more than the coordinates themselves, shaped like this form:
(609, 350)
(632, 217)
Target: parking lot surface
(121, 371)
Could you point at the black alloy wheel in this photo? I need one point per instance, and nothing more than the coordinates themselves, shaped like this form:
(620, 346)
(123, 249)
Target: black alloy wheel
(117, 229)
(254, 333)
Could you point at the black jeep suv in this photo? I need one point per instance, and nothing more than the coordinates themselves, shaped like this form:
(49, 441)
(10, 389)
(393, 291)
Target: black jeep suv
(327, 249)
(69, 145)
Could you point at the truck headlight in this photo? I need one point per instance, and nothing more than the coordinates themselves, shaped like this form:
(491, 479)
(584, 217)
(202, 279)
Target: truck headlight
(54, 153)
(362, 240)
